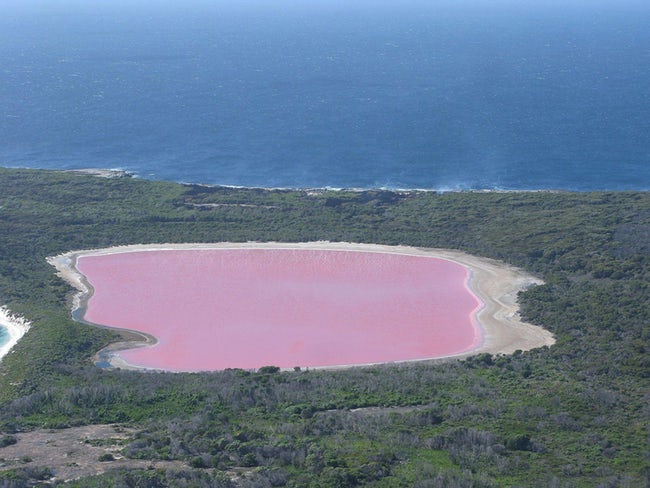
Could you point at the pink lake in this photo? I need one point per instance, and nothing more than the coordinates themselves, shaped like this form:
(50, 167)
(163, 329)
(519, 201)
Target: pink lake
(246, 308)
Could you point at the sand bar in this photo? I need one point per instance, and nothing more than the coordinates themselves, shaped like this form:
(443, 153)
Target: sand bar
(494, 283)
(16, 326)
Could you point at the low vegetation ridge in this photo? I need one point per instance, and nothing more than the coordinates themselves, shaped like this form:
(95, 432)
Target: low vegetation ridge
(575, 414)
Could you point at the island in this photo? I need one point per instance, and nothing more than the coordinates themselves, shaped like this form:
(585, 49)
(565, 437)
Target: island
(564, 413)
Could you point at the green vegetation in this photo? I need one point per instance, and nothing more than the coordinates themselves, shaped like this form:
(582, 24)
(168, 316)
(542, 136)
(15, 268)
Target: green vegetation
(572, 415)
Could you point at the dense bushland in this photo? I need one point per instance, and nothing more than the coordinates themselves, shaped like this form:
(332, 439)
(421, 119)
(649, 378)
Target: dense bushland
(575, 414)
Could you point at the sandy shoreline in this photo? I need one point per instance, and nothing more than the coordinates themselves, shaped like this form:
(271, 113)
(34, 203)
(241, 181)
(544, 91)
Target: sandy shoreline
(494, 283)
(16, 326)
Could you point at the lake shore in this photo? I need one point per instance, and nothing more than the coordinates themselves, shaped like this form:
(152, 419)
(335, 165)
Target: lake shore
(494, 283)
(16, 327)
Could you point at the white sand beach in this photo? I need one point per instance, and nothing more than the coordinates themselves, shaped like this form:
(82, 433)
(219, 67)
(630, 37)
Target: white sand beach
(16, 326)
(495, 283)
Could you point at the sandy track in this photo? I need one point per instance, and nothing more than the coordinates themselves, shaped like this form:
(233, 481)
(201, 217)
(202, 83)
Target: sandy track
(495, 283)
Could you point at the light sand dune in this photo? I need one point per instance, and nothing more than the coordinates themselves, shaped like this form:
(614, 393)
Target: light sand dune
(496, 284)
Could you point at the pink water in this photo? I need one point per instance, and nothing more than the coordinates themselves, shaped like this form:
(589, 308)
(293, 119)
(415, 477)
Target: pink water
(246, 308)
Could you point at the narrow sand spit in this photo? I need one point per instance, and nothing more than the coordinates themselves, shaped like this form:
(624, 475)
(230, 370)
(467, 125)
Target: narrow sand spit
(494, 283)
(16, 326)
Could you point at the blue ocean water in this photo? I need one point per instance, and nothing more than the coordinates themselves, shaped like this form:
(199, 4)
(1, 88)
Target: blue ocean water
(435, 94)
(4, 336)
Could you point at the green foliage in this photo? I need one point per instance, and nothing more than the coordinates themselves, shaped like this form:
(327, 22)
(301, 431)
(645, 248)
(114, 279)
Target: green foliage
(7, 440)
(25, 476)
(574, 414)
(268, 370)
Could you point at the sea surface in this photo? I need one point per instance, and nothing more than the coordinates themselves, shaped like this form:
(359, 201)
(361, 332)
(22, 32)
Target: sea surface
(441, 95)
(4, 335)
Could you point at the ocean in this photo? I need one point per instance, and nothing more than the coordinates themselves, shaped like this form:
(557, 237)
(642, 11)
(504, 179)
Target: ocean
(4, 336)
(438, 94)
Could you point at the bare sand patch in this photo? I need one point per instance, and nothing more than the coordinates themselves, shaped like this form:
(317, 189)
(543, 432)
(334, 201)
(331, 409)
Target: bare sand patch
(494, 283)
(75, 452)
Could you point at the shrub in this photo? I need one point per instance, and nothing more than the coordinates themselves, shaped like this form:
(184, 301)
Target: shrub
(268, 370)
(7, 440)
